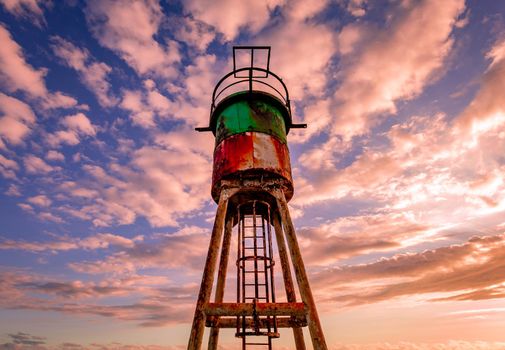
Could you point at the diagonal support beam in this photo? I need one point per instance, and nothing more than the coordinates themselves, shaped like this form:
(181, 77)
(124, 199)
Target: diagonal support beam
(221, 277)
(316, 331)
(198, 327)
(288, 280)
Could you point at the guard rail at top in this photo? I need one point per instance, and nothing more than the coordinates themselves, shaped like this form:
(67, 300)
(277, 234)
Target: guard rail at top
(222, 89)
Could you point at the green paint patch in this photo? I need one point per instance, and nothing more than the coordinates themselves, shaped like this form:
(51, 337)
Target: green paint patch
(256, 116)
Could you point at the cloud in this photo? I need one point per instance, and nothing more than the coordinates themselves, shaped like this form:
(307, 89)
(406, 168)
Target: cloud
(229, 17)
(129, 30)
(93, 74)
(408, 169)
(27, 9)
(35, 165)
(40, 200)
(55, 156)
(394, 64)
(350, 236)
(164, 252)
(381, 66)
(17, 75)
(155, 303)
(193, 33)
(15, 72)
(160, 184)
(27, 339)
(405, 345)
(97, 241)
(476, 266)
(449, 345)
(47, 216)
(304, 71)
(486, 112)
(13, 191)
(148, 104)
(80, 124)
(16, 119)
(8, 167)
(76, 127)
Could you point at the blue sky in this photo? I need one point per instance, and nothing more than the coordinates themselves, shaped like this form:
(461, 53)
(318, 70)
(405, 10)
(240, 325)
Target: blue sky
(105, 204)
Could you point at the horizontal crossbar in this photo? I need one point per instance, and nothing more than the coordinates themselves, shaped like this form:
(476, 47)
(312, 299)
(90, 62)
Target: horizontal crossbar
(260, 309)
(282, 322)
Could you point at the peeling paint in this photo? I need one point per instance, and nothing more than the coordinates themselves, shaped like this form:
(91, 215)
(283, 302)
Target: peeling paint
(250, 154)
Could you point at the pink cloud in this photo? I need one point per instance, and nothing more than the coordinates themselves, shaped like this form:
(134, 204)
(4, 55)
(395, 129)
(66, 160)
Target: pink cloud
(79, 123)
(48, 216)
(16, 119)
(17, 75)
(486, 112)
(15, 72)
(194, 33)
(13, 191)
(383, 66)
(153, 306)
(76, 127)
(28, 9)
(97, 241)
(304, 71)
(146, 105)
(36, 165)
(93, 74)
(8, 167)
(238, 15)
(55, 156)
(40, 200)
(346, 237)
(129, 30)
(140, 187)
(475, 266)
(164, 252)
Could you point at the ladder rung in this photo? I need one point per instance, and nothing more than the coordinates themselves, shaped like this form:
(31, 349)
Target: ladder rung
(252, 298)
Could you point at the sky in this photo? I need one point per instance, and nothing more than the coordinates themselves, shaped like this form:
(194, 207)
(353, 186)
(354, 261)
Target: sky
(105, 205)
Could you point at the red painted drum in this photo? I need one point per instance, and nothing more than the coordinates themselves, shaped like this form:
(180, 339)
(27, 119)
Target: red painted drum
(251, 155)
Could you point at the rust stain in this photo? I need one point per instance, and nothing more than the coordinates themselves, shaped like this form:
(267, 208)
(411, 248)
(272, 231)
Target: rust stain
(250, 154)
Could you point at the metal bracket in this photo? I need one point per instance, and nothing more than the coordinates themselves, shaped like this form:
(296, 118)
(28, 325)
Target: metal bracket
(203, 128)
(298, 126)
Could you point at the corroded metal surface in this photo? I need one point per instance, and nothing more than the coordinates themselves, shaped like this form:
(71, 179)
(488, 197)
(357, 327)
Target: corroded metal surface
(195, 340)
(221, 277)
(316, 331)
(282, 322)
(251, 163)
(251, 155)
(288, 280)
(249, 309)
(250, 115)
(274, 102)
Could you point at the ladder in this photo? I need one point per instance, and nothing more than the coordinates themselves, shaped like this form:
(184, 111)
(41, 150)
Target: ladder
(255, 274)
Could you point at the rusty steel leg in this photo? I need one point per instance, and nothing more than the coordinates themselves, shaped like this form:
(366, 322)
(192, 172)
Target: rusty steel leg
(288, 280)
(221, 277)
(196, 336)
(316, 331)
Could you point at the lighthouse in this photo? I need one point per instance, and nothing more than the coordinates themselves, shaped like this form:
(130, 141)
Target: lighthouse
(250, 118)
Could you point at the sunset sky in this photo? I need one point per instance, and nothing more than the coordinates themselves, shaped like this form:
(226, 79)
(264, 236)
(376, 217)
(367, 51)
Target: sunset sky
(105, 206)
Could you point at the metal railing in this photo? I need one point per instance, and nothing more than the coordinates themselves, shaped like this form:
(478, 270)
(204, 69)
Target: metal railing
(227, 85)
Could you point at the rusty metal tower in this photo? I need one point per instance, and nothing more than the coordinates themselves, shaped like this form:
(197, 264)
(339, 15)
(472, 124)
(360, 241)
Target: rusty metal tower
(251, 183)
